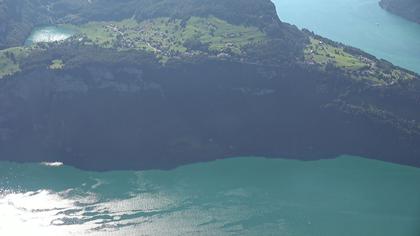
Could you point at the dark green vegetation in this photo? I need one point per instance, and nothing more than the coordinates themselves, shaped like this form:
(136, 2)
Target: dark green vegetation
(409, 9)
(154, 84)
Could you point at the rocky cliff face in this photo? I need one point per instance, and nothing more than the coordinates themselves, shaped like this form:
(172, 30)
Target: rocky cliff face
(110, 116)
(409, 9)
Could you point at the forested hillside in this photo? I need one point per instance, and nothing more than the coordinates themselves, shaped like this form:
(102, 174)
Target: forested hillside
(409, 9)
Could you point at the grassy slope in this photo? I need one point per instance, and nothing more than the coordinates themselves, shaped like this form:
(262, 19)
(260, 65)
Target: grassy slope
(324, 55)
(162, 36)
(168, 37)
(56, 64)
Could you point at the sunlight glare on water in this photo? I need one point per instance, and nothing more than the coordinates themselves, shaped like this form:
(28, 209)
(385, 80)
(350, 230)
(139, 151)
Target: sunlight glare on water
(33, 212)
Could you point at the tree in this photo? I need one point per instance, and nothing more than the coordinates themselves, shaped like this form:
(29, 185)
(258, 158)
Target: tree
(196, 44)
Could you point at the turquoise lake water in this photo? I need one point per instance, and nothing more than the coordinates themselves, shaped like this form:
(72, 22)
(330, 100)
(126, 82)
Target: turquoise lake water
(49, 34)
(347, 196)
(359, 23)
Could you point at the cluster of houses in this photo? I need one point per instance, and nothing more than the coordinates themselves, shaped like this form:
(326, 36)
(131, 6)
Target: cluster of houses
(160, 41)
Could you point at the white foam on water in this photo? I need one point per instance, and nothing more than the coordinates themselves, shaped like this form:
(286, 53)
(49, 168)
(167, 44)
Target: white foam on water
(52, 164)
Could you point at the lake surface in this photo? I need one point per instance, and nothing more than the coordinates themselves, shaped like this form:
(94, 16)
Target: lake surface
(347, 196)
(359, 23)
(49, 34)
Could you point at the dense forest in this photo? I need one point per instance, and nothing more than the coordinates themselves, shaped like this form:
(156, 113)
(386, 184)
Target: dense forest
(409, 9)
